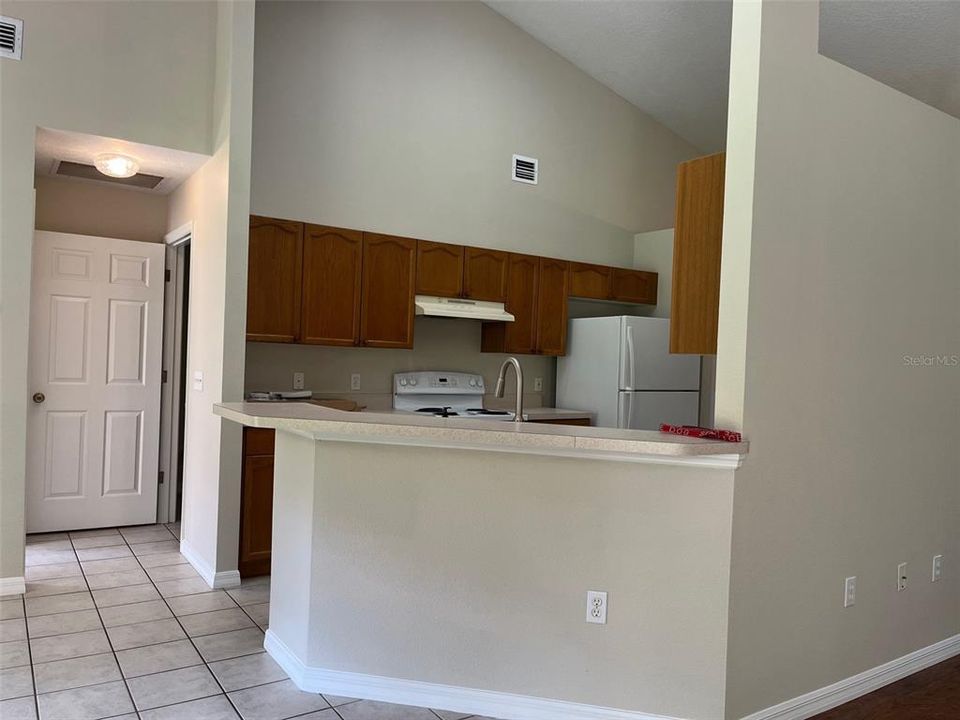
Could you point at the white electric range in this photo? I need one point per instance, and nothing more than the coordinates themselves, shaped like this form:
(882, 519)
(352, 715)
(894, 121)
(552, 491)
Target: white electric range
(443, 394)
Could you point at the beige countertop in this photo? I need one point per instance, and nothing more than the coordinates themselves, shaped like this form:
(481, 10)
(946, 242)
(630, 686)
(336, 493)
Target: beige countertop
(393, 428)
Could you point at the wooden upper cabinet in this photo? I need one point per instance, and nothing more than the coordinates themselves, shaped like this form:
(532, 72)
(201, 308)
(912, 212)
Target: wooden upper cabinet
(273, 280)
(387, 289)
(439, 269)
(519, 336)
(634, 286)
(332, 259)
(552, 307)
(590, 281)
(698, 235)
(485, 274)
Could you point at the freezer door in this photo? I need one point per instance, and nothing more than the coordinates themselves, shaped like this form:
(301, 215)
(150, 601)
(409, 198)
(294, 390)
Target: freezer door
(645, 359)
(646, 410)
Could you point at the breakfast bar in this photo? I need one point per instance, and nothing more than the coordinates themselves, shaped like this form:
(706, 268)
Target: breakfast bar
(445, 563)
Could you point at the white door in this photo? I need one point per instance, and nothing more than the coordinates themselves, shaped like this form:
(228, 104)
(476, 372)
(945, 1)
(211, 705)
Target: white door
(96, 317)
(648, 409)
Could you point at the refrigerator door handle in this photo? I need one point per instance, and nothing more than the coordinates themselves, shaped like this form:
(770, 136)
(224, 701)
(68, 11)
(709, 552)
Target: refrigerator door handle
(626, 401)
(630, 361)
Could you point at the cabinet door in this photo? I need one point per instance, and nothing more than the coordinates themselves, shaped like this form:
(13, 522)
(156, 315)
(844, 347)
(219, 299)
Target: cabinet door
(331, 286)
(552, 307)
(273, 280)
(256, 503)
(485, 274)
(439, 269)
(590, 281)
(696, 256)
(523, 281)
(386, 305)
(634, 286)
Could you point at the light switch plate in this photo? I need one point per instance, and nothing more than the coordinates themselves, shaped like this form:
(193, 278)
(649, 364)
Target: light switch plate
(198, 380)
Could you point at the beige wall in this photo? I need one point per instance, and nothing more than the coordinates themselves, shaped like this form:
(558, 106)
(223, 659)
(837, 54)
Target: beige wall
(216, 201)
(441, 344)
(854, 249)
(91, 208)
(88, 67)
(402, 117)
(397, 566)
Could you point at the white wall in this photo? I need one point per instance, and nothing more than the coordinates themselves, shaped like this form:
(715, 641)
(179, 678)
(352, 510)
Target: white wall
(216, 201)
(91, 208)
(852, 235)
(89, 67)
(653, 251)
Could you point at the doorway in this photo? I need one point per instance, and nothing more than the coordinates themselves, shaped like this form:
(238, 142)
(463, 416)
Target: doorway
(173, 394)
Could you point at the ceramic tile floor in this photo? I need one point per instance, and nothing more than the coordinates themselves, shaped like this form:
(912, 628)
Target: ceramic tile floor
(116, 624)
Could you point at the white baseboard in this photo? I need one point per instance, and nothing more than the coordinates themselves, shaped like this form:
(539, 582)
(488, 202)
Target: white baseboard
(443, 697)
(825, 698)
(223, 579)
(12, 586)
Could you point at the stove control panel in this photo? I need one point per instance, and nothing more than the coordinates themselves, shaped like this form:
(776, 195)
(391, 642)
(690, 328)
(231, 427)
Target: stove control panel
(438, 383)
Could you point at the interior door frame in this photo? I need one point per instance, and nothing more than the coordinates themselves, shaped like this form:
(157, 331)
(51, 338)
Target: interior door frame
(170, 389)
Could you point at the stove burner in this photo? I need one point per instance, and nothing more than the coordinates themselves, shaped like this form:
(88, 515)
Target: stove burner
(485, 411)
(438, 411)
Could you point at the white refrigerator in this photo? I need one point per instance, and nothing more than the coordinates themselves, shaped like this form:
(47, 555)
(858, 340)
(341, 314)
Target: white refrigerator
(620, 368)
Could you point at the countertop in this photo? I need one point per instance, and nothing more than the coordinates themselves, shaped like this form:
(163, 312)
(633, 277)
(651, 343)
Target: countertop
(392, 428)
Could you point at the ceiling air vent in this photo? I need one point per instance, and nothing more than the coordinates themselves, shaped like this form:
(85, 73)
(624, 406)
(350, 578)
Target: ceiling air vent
(89, 172)
(11, 37)
(524, 169)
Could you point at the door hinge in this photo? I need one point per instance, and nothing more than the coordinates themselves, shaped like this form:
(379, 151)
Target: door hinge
(166, 275)
(161, 477)
(163, 376)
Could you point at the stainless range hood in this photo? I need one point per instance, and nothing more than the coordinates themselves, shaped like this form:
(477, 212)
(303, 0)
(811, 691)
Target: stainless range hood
(461, 308)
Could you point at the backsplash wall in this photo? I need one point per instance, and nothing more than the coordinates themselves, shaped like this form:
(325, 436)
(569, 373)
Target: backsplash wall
(439, 344)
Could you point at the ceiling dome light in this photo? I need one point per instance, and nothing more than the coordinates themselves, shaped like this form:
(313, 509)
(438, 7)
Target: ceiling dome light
(115, 165)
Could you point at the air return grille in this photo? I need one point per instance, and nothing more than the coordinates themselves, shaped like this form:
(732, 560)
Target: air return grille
(525, 169)
(89, 172)
(11, 37)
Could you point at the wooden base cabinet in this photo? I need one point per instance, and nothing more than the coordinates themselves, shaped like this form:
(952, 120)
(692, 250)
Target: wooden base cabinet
(256, 502)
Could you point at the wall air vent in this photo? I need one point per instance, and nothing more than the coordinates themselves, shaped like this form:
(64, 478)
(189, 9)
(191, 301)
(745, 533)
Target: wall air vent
(524, 169)
(89, 172)
(11, 37)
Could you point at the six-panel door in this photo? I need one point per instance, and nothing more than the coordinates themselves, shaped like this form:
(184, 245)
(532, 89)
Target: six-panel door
(94, 414)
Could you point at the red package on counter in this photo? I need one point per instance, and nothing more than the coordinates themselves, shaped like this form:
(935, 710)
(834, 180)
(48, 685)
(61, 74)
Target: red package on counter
(701, 432)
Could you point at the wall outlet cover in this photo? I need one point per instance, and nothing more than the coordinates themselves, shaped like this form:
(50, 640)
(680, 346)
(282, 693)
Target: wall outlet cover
(596, 607)
(901, 577)
(355, 381)
(937, 571)
(298, 381)
(850, 591)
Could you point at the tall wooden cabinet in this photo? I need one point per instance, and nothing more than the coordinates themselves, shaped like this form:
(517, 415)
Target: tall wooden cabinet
(332, 260)
(274, 269)
(698, 236)
(552, 307)
(387, 289)
(256, 502)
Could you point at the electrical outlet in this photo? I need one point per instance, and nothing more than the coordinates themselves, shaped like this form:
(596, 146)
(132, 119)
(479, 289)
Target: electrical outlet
(538, 384)
(355, 381)
(901, 577)
(850, 591)
(298, 381)
(937, 568)
(596, 607)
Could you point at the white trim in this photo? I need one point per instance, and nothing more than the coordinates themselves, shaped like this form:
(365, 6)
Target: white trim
(423, 694)
(216, 580)
(831, 696)
(12, 586)
(179, 235)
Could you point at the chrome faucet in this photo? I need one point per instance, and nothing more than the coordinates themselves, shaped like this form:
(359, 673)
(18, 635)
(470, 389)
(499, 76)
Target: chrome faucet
(501, 381)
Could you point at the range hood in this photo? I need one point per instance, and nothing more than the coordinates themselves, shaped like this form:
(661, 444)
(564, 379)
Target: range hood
(461, 308)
